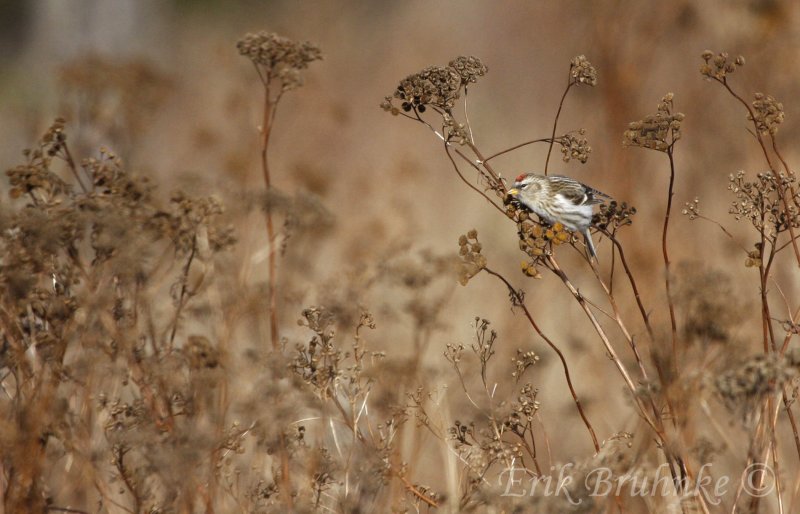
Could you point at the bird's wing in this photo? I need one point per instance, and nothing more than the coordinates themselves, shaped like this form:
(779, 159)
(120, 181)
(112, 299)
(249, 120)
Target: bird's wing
(577, 193)
(595, 196)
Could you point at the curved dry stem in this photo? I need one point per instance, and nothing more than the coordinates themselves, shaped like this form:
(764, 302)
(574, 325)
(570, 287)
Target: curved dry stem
(463, 179)
(667, 277)
(516, 147)
(604, 338)
(555, 348)
(632, 281)
(555, 123)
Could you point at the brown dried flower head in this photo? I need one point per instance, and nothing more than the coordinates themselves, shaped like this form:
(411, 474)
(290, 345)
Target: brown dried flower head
(657, 131)
(469, 68)
(574, 146)
(692, 209)
(581, 71)
(767, 114)
(278, 57)
(438, 86)
(719, 66)
(535, 239)
(472, 261)
(759, 201)
(613, 215)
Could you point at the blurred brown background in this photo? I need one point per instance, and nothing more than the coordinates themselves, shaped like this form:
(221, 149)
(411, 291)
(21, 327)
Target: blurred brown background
(385, 181)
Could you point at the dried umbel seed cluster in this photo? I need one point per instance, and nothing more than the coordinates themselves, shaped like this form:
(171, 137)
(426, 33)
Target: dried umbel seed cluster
(719, 66)
(760, 201)
(767, 114)
(317, 362)
(327, 366)
(469, 68)
(522, 361)
(581, 71)
(485, 339)
(35, 177)
(743, 386)
(692, 209)
(657, 131)
(437, 86)
(278, 57)
(574, 146)
(535, 239)
(472, 261)
(523, 410)
(613, 215)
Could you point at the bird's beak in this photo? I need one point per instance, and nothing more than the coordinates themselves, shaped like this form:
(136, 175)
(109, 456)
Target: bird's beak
(510, 195)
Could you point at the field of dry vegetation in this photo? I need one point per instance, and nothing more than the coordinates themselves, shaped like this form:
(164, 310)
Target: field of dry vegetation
(258, 257)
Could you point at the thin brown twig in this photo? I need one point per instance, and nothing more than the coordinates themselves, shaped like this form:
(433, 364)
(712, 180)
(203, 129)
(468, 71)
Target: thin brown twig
(553, 264)
(266, 130)
(73, 167)
(416, 492)
(516, 147)
(667, 277)
(184, 291)
(555, 348)
(570, 83)
(467, 182)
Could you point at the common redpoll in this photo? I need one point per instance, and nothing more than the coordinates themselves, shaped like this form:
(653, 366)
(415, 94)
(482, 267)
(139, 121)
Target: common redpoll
(558, 199)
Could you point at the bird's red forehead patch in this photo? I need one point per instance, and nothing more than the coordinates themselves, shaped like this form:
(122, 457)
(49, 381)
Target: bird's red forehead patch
(520, 177)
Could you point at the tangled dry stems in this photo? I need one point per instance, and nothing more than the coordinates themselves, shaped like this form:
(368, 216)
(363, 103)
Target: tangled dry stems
(117, 326)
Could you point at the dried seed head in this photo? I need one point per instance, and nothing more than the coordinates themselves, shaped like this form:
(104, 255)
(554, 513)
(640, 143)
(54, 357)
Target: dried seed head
(718, 67)
(438, 86)
(278, 57)
(657, 131)
(767, 114)
(581, 71)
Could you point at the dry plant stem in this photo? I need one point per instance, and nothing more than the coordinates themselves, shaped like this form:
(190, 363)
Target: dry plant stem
(776, 464)
(632, 281)
(120, 465)
(416, 492)
(266, 129)
(792, 421)
(555, 348)
(555, 123)
(765, 273)
(667, 278)
(516, 147)
(619, 321)
(184, 291)
(482, 159)
(781, 190)
(73, 168)
(463, 179)
(609, 348)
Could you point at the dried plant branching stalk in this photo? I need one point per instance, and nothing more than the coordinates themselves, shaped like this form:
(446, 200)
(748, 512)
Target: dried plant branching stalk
(279, 63)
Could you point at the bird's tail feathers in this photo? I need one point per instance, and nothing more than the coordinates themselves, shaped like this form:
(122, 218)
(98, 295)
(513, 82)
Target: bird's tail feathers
(589, 244)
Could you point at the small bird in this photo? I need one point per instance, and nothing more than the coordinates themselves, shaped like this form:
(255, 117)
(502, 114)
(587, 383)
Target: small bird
(559, 199)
